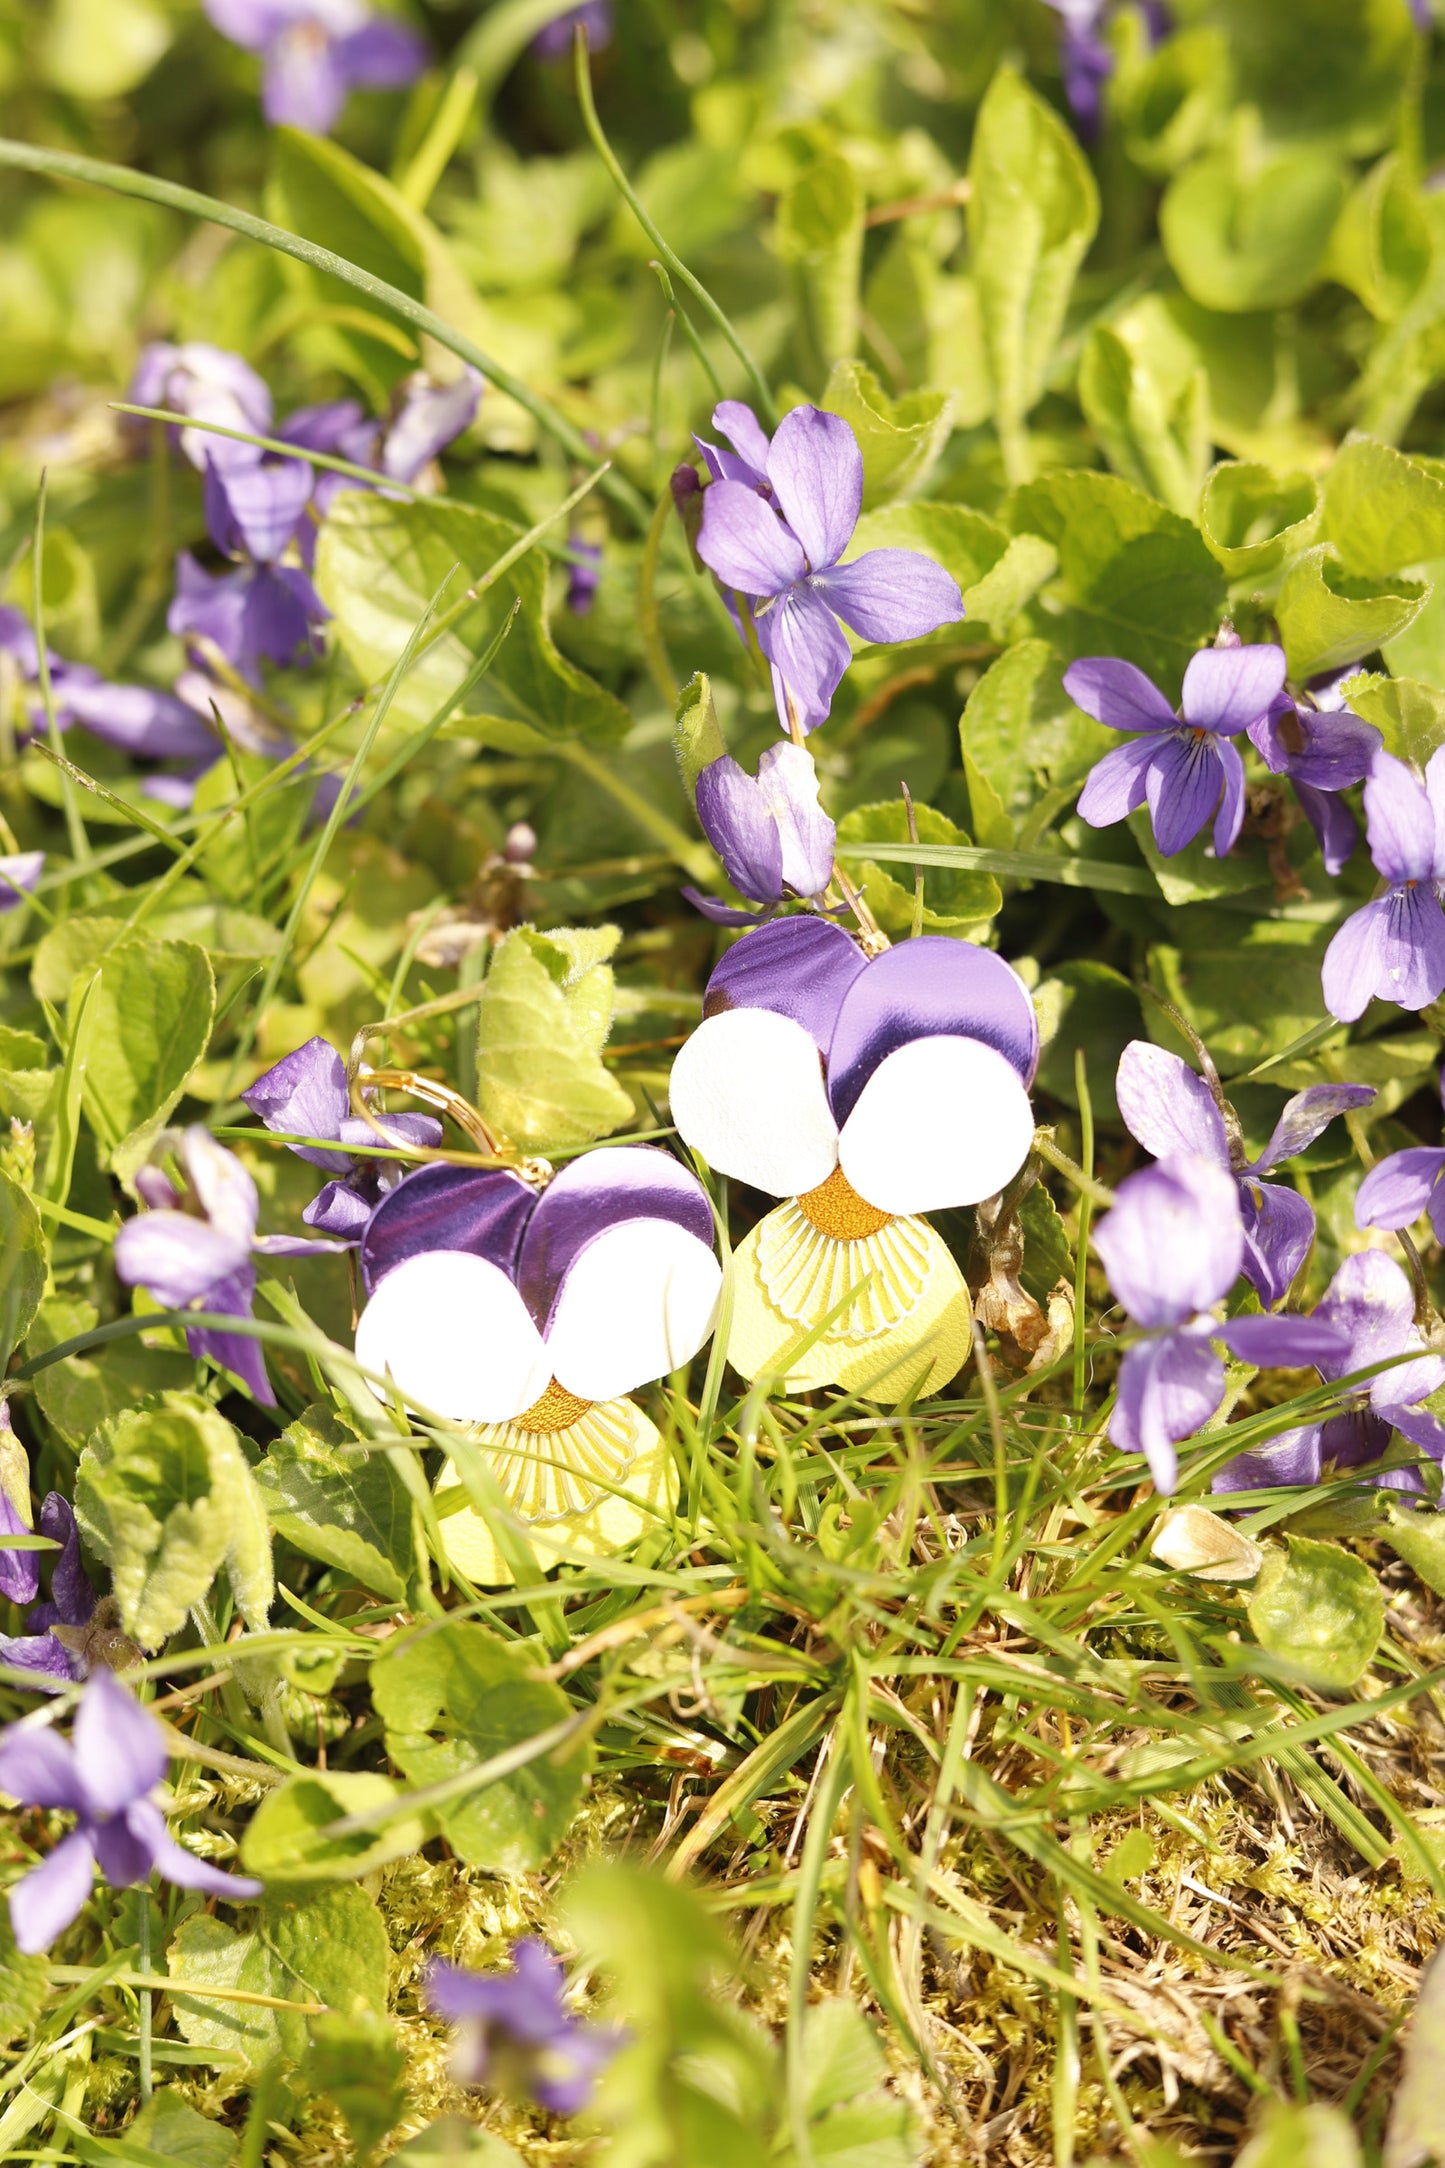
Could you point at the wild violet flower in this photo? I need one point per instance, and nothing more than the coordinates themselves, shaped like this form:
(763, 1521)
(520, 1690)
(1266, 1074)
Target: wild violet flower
(1173, 1113)
(212, 384)
(194, 1252)
(1183, 766)
(777, 545)
(554, 40)
(1085, 60)
(267, 607)
(1173, 1246)
(584, 575)
(1396, 1192)
(134, 718)
(1323, 749)
(103, 1775)
(863, 1092)
(306, 1096)
(773, 837)
(429, 417)
(1394, 949)
(314, 53)
(1370, 1305)
(19, 877)
(534, 1316)
(51, 1644)
(515, 2032)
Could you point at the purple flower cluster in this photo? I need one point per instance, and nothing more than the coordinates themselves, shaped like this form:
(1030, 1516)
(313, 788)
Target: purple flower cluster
(306, 1096)
(71, 1603)
(514, 2030)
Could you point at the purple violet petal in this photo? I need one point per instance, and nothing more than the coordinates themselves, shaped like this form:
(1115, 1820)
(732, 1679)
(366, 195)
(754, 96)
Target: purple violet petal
(1399, 821)
(1307, 1116)
(735, 817)
(429, 421)
(19, 1570)
(816, 471)
(1118, 783)
(746, 434)
(1118, 694)
(120, 1749)
(305, 1095)
(382, 54)
(1395, 1193)
(234, 1351)
(1168, 1389)
(1279, 1226)
(1169, 1109)
(45, 1902)
(808, 650)
(1228, 688)
(1284, 1341)
(41, 1769)
(1172, 1243)
(1292, 1458)
(71, 1594)
(1230, 818)
(890, 595)
(745, 544)
(1182, 788)
(1336, 829)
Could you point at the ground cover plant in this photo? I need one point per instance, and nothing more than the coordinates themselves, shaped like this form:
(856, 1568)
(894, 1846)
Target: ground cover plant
(722, 835)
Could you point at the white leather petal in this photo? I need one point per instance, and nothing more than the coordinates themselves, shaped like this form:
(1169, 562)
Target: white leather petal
(456, 1337)
(942, 1121)
(636, 1303)
(747, 1092)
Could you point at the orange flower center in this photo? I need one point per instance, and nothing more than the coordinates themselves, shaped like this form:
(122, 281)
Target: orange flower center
(556, 1410)
(835, 1208)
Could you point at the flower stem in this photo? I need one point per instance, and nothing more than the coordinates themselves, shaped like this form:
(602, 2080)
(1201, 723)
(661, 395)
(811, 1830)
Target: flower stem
(1084, 1182)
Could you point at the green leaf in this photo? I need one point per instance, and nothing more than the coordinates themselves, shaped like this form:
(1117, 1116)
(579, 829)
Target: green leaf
(1415, 2131)
(453, 2142)
(1324, 68)
(145, 1026)
(83, 1391)
(165, 1495)
(172, 2131)
(1319, 1608)
(1252, 518)
(334, 1499)
(1410, 716)
(22, 1266)
(24, 1982)
(544, 1017)
(379, 564)
(1047, 1256)
(820, 230)
(952, 898)
(1091, 1006)
(1243, 232)
(1249, 1000)
(1026, 747)
(1383, 512)
(317, 1945)
(1302, 2137)
(1381, 246)
(697, 739)
(360, 2063)
(463, 1681)
(1032, 213)
(998, 573)
(852, 2121)
(1328, 618)
(1418, 1538)
(1154, 437)
(287, 1837)
(103, 48)
(900, 439)
(1135, 579)
(72, 949)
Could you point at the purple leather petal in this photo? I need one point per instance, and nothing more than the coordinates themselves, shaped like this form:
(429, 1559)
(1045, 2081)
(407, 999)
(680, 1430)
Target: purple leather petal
(591, 1194)
(120, 1749)
(1117, 784)
(1399, 821)
(305, 1096)
(921, 989)
(745, 543)
(1279, 1226)
(808, 650)
(1118, 694)
(736, 819)
(797, 967)
(816, 470)
(1307, 1116)
(1336, 829)
(1168, 1389)
(1166, 1106)
(890, 595)
(1172, 1244)
(1182, 788)
(481, 1210)
(1228, 688)
(19, 1570)
(43, 1904)
(1400, 1188)
(1284, 1342)
(1293, 1457)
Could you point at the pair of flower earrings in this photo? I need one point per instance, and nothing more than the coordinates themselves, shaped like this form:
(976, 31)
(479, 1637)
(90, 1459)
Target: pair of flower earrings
(860, 1089)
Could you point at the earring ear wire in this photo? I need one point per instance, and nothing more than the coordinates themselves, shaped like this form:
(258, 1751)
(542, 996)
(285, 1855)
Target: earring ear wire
(538, 1172)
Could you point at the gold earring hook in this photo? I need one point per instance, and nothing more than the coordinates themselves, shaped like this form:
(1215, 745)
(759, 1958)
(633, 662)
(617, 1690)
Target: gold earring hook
(538, 1172)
